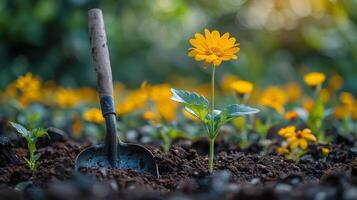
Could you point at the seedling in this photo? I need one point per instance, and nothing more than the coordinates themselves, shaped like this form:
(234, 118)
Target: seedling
(31, 137)
(213, 49)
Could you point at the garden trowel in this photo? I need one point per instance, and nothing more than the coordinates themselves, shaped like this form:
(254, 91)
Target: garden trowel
(114, 153)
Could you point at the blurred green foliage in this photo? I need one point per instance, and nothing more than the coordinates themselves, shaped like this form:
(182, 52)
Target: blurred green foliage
(148, 39)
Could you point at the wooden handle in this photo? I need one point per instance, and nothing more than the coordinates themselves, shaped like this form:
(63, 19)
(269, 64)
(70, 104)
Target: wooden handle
(100, 53)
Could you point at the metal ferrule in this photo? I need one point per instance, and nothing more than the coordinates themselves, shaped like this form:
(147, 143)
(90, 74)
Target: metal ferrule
(107, 105)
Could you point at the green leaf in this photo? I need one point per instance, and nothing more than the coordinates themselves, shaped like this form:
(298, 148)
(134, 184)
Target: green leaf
(36, 157)
(193, 102)
(40, 132)
(236, 110)
(20, 129)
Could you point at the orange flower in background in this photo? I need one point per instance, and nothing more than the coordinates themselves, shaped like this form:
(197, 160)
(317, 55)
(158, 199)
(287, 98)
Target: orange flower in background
(212, 48)
(291, 115)
(314, 79)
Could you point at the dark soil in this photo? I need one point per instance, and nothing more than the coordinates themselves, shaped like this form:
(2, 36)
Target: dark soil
(183, 175)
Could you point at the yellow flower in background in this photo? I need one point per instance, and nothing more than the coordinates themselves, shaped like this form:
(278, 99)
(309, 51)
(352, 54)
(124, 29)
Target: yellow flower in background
(347, 107)
(308, 105)
(227, 82)
(242, 87)
(66, 98)
(76, 126)
(88, 95)
(274, 97)
(284, 151)
(28, 82)
(325, 95)
(347, 99)
(151, 116)
(93, 115)
(314, 79)
(163, 107)
(287, 131)
(135, 100)
(293, 90)
(291, 115)
(300, 139)
(325, 151)
(335, 82)
(26, 88)
(212, 48)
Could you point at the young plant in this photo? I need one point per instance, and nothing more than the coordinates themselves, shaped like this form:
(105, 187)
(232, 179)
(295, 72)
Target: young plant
(212, 49)
(31, 138)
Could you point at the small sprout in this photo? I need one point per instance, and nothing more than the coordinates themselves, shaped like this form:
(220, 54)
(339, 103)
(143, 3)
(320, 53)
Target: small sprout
(31, 138)
(212, 48)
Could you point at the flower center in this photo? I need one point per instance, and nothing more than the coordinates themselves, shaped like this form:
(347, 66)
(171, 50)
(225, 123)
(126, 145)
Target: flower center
(217, 51)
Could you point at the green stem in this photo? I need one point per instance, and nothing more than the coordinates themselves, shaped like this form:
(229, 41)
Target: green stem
(212, 131)
(212, 102)
(211, 155)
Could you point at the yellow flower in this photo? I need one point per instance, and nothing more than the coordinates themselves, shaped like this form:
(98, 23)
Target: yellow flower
(325, 95)
(151, 116)
(165, 109)
(293, 91)
(76, 126)
(135, 100)
(300, 139)
(242, 87)
(291, 115)
(88, 95)
(93, 115)
(325, 151)
(347, 99)
(282, 151)
(287, 131)
(213, 48)
(28, 87)
(308, 105)
(67, 98)
(28, 82)
(314, 79)
(227, 82)
(335, 83)
(274, 97)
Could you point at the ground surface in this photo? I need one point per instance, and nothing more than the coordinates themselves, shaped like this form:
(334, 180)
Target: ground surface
(183, 173)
